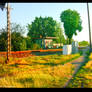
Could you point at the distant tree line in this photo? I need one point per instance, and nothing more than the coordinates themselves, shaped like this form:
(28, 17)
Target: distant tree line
(42, 27)
(83, 43)
(46, 27)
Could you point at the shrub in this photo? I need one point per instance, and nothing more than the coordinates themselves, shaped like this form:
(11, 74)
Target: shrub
(18, 43)
(83, 43)
(81, 52)
(35, 47)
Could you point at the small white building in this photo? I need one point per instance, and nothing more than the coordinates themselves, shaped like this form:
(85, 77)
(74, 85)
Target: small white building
(46, 42)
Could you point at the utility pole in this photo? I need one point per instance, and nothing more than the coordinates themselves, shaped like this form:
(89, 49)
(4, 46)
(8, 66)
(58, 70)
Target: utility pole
(2, 6)
(8, 32)
(60, 38)
(89, 27)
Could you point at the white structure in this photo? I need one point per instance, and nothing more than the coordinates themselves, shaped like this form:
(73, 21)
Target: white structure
(58, 44)
(75, 47)
(67, 49)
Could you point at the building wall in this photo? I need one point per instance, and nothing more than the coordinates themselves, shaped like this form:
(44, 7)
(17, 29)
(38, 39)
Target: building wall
(48, 42)
(57, 44)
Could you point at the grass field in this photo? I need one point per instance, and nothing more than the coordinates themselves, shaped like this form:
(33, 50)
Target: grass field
(37, 71)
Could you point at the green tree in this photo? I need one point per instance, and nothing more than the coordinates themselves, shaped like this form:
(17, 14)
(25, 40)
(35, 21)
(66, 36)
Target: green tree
(83, 43)
(42, 27)
(17, 28)
(17, 40)
(72, 23)
(3, 41)
(59, 34)
(45, 27)
(28, 42)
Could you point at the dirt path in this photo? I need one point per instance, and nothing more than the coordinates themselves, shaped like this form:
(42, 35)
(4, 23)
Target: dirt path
(78, 62)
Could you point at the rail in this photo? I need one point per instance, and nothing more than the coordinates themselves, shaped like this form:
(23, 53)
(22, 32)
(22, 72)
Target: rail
(28, 52)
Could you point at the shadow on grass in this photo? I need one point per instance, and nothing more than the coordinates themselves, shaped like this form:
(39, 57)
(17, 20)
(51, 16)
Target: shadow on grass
(14, 65)
(49, 63)
(55, 64)
(23, 80)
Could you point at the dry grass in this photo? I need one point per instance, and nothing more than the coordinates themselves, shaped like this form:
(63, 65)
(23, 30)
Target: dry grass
(37, 72)
(84, 76)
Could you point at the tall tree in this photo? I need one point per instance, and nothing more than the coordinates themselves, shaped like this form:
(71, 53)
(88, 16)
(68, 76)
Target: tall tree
(28, 42)
(45, 27)
(72, 23)
(59, 34)
(18, 42)
(42, 27)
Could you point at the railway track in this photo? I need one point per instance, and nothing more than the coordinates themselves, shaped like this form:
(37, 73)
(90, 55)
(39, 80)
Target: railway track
(28, 52)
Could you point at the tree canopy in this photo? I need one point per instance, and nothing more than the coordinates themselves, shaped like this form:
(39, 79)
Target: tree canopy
(17, 40)
(45, 27)
(83, 43)
(59, 34)
(72, 23)
(42, 27)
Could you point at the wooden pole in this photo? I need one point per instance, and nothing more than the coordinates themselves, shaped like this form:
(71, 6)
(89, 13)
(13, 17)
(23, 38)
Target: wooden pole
(8, 33)
(89, 27)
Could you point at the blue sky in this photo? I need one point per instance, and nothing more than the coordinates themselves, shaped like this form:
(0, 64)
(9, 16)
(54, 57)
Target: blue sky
(24, 13)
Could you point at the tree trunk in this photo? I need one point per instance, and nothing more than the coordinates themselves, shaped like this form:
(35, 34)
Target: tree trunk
(69, 41)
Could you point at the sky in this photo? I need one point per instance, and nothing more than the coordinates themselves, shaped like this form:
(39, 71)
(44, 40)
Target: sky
(25, 13)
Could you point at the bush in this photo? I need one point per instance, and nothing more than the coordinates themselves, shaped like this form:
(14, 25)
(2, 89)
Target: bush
(88, 53)
(35, 47)
(17, 38)
(18, 42)
(81, 52)
(83, 43)
(28, 43)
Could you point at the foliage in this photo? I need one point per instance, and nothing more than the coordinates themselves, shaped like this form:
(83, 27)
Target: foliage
(81, 52)
(42, 26)
(45, 27)
(72, 23)
(17, 39)
(35, 47)
(3, 41)
(59, 34)
(83, 43)
(67, 41)
(17, 28)
(28, 42)
(17, 42)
